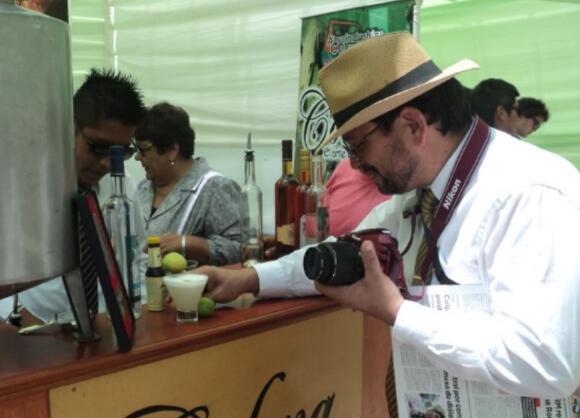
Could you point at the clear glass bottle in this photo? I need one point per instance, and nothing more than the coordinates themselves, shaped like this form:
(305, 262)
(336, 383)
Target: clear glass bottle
(314, 223)
(119, 212)
(156, 292)
(251, 244)
(304, 184)
(284, 201)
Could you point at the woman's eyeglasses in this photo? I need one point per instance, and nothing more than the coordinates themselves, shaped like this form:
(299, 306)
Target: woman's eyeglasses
(142, 147)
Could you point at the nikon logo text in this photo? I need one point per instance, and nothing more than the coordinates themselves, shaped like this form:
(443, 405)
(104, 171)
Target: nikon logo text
(451, 195)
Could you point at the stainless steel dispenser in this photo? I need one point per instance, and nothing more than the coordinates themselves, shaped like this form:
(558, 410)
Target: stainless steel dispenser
(37, 174)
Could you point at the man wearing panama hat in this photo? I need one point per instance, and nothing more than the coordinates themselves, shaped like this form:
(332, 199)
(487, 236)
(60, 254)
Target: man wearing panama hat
(473, 205)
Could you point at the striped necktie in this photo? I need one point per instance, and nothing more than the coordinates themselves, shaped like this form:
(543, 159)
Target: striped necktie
(88, 272)
(428, 206)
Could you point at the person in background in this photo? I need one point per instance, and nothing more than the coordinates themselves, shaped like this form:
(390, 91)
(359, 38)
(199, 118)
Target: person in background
(351, 196)
(106, 109)
(514, 229)
(194, 209)
(495, 101)
(533, 113)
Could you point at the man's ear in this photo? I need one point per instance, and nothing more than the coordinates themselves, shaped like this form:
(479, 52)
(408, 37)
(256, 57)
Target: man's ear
(500, 114)
(417, 124)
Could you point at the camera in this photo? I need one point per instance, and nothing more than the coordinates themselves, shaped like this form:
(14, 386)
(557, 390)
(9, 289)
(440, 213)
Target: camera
(339, 263)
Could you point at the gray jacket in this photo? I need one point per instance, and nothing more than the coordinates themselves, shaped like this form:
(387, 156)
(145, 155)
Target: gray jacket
(215, 215)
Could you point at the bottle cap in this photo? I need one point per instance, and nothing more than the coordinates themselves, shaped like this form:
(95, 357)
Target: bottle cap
(287, 149)
(117, 160)
(304, 155)
(153, 240)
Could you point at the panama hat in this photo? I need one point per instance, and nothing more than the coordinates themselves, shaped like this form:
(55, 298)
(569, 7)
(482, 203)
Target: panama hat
(378, 75)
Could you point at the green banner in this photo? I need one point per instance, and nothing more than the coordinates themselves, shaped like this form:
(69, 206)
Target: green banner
(323, 38)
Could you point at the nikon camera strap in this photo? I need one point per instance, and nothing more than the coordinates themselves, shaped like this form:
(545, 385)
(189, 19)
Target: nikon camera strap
(477, 139)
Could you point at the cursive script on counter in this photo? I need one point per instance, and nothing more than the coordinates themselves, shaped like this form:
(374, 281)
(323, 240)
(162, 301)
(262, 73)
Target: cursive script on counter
(322, 409)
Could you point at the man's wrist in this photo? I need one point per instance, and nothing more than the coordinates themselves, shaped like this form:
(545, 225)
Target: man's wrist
(252, 281)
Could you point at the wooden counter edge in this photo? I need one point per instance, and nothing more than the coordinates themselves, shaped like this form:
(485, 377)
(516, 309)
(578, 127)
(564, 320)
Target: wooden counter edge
(98, 365)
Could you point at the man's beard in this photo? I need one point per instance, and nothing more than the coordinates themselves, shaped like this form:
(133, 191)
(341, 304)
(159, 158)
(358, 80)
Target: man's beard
(397, 181)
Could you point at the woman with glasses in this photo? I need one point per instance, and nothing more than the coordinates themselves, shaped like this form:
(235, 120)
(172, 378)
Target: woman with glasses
(194, 209)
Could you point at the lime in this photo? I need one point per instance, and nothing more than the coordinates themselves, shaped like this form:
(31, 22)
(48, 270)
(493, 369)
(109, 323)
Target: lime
(205, 307)
(174, 262)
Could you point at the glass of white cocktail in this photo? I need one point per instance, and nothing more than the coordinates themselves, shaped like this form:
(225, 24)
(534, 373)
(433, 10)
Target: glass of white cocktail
(186, 290)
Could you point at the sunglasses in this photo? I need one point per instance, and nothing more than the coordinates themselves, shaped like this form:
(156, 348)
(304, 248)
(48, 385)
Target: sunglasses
(103, 150)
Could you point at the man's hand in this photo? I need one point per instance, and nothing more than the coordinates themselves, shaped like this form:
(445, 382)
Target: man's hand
(269, 242)
(375, 294)
(169, 243)
(224, 285)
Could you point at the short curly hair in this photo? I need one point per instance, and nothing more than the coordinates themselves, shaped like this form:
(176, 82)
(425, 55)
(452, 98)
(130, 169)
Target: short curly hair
(528, 107)
(165, 126)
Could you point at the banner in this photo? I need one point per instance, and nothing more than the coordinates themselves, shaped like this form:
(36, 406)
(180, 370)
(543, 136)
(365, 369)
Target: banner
(323, 38)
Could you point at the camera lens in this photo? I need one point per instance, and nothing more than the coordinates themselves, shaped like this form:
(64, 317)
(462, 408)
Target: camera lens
(318, 262)
(334, 263)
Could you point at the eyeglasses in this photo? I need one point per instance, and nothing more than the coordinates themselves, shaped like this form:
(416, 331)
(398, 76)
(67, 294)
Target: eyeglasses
(536, 123)
(353, 150)
(103, 149)
(142, 149)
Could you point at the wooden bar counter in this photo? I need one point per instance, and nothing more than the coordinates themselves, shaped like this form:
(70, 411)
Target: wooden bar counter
(305, 357)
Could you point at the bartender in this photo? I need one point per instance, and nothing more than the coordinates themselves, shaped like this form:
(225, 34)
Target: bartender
(107, 108)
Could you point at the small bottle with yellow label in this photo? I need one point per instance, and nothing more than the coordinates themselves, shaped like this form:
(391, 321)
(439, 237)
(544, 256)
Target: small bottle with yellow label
(154, 276)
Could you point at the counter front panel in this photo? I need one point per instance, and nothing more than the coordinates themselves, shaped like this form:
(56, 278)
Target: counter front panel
(311, 368)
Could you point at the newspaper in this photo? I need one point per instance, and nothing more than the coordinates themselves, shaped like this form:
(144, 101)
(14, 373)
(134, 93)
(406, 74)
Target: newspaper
(425, 391)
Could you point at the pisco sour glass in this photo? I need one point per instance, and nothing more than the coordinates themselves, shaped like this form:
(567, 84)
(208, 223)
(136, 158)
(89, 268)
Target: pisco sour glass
(186, 290)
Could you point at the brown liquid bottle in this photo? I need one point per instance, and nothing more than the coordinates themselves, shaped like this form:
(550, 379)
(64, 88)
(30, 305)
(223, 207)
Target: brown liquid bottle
(156, 292)
(284, 201)
(303, 185)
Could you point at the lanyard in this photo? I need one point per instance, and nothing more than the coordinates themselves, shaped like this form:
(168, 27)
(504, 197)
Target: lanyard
(477, 139)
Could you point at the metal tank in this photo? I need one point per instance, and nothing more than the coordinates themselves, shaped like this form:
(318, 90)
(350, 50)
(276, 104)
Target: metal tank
(37, 172)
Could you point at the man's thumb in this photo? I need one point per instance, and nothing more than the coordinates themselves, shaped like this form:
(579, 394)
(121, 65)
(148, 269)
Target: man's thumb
(370, 259)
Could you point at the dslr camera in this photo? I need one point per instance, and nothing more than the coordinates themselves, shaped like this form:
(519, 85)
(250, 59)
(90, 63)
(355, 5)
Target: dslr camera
(339, 263)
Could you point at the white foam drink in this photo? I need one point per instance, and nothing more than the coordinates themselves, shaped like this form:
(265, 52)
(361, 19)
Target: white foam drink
(186, 290)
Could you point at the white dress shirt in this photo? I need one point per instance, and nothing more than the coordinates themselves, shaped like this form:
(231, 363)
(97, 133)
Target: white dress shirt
(516, 231)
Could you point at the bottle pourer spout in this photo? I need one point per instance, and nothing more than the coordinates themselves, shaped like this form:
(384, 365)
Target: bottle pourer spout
(249, 143)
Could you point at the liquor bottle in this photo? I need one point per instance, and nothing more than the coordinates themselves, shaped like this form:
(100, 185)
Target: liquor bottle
(303, 185)
(119, 212)
(154, 276)
(284, 200)
(251, 245)
(314, 222)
